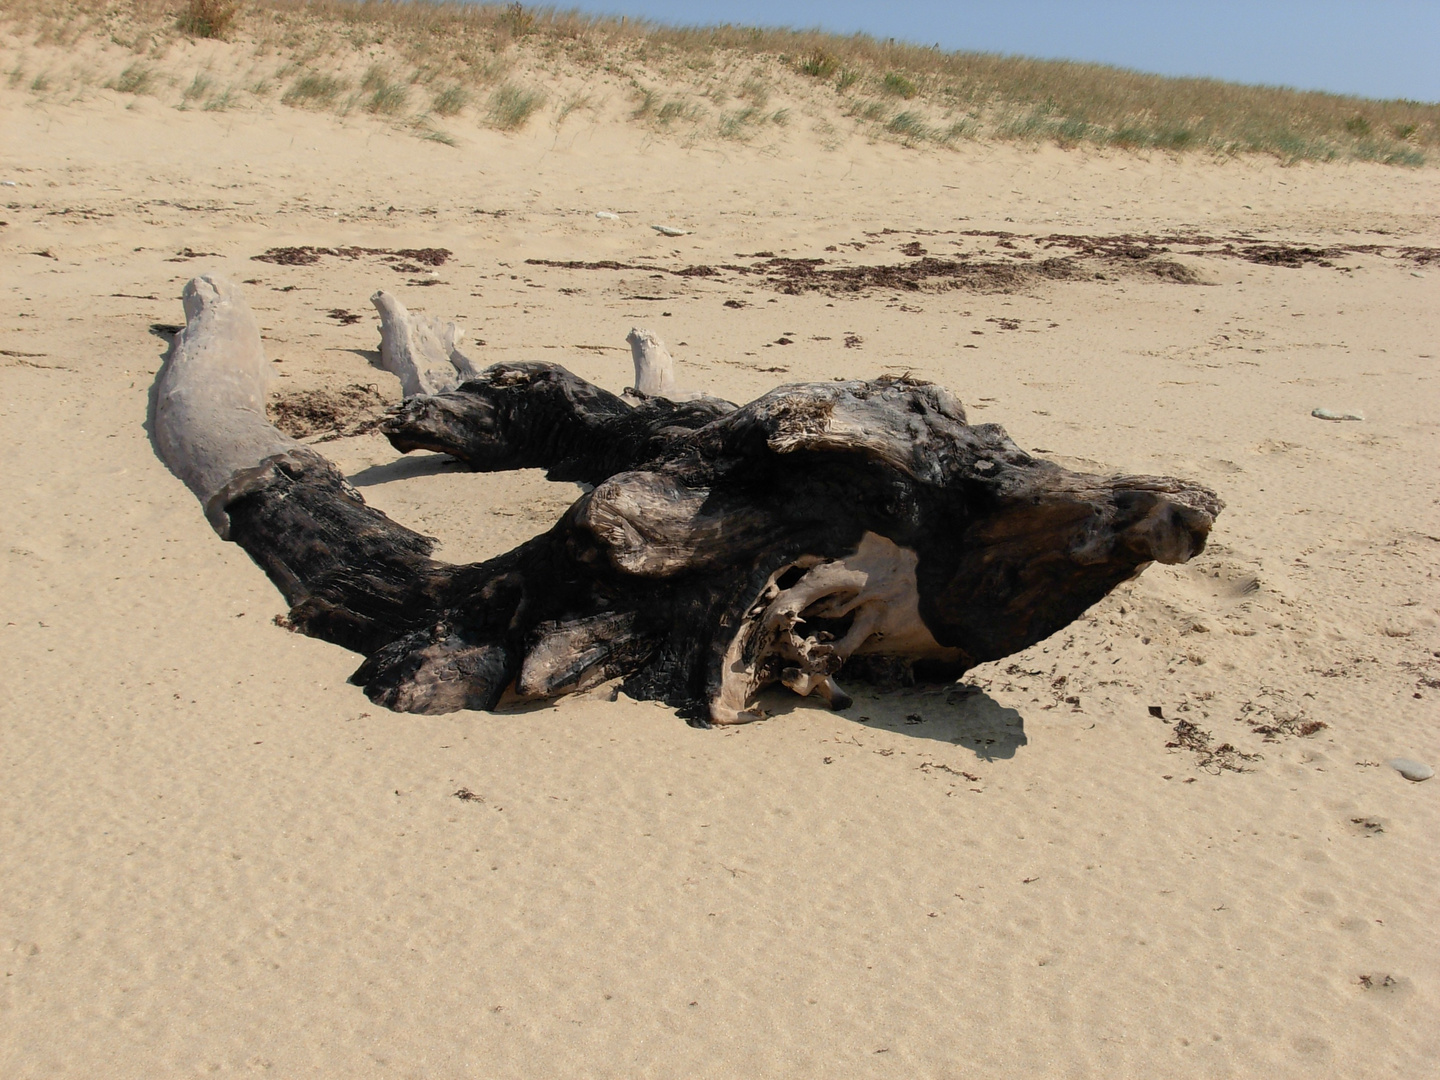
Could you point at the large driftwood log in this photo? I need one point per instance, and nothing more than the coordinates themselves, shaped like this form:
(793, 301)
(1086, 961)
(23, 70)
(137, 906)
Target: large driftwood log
(862, 526)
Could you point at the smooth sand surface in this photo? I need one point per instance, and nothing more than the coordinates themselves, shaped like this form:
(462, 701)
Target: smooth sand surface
(218, 857)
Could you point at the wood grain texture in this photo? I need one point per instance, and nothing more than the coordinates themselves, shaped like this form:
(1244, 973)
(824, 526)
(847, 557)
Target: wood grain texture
(706, 524)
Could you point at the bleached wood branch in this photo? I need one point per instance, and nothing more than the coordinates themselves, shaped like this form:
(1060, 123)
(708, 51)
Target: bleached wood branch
(423, 351)
(208, 407)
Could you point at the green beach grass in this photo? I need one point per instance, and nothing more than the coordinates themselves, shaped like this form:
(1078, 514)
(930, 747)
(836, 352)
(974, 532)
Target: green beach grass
(506, 66)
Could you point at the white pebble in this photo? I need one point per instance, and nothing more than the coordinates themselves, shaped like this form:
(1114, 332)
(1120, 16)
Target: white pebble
(606, 215)
(670, 230)
(1332, 414)
(1411, 769)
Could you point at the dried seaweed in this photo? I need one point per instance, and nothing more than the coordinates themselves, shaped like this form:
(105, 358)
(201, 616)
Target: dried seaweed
(402, 260)
(329, 414)
(1213, 759)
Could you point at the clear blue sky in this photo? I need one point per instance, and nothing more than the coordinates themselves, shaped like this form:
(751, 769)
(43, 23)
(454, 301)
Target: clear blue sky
(1376, 48)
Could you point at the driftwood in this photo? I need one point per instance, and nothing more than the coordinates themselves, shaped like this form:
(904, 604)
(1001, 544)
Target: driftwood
(862, 526)
(654, 367)
(422, 351)
(208, 416)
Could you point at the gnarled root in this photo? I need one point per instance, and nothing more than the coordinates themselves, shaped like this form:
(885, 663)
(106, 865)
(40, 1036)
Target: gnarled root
(721, 550)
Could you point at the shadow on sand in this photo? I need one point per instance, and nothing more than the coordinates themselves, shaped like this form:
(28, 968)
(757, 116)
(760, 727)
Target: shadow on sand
(405, 468)
(961, 715)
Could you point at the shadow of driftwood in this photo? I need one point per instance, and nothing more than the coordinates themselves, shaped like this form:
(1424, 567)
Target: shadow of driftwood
(961, 715)
(371, 356)
(166, 333)
(418, 464)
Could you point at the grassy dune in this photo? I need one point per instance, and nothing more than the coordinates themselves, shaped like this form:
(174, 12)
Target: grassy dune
(437, 67)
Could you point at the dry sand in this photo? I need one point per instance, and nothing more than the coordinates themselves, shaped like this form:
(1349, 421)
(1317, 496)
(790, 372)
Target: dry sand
(218, 857)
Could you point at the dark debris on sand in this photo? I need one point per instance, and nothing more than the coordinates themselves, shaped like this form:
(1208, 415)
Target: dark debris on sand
(402, 260)
(328, 414)
(1211, 758)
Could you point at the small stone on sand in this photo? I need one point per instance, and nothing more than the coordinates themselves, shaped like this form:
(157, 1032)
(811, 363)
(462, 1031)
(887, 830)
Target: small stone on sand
(1333, 414)
(1411, 769)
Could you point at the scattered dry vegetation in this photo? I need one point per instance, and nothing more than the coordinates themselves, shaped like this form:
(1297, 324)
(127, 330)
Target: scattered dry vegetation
(328, 414)
(1208, 756)
(207, 18)
(501, 66)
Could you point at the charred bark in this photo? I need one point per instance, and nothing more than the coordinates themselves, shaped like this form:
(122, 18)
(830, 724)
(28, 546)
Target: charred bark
(721, 549)
(540, 416)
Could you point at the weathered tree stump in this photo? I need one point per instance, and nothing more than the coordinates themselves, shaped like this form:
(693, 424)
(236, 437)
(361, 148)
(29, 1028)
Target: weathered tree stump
(422, 351)
(861, 527)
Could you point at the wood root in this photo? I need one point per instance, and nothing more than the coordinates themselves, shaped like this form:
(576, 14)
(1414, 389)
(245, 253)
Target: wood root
(720, 550)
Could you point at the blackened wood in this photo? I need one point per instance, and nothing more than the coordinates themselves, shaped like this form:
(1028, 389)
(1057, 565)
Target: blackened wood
(540, 416)
(700, 516)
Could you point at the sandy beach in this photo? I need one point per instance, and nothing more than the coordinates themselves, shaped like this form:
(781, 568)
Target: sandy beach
(220, 858)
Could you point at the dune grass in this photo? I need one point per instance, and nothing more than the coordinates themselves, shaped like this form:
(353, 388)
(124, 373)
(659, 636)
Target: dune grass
(450, 101)
(314, 90)
(818, 64)
(505, 63)
(898, 85)
(383, 95)
(208, 18)
(511, 106)
(135, 79)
